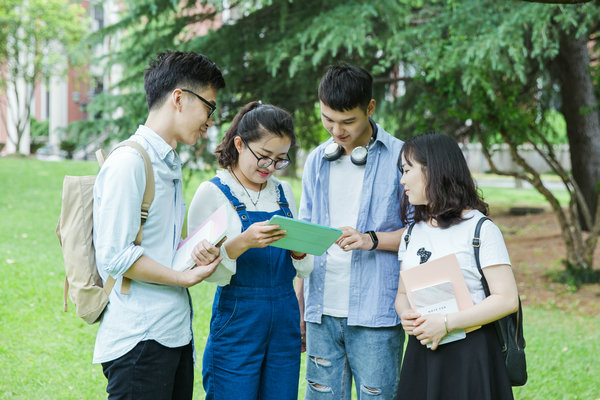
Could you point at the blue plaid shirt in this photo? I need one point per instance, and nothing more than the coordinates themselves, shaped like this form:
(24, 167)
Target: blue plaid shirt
(373, 274)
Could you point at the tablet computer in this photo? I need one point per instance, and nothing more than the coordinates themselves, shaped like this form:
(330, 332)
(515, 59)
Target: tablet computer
(304, 236)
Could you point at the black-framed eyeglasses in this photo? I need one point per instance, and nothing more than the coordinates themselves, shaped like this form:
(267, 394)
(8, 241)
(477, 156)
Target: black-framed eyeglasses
(210, 105)
(265, 162)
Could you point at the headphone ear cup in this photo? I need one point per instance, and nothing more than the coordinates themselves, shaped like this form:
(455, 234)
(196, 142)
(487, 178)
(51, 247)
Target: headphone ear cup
(333, 151)
(359, 155)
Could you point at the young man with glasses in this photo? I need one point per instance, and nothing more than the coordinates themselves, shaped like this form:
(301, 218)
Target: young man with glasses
(145, 340)
(253, 349)
(351, 182)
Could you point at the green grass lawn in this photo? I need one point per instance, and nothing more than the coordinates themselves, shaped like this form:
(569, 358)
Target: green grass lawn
(46, 354)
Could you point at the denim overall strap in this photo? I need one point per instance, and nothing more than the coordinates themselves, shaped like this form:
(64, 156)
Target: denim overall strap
(238, 206)
(283, 204)
(253, 349)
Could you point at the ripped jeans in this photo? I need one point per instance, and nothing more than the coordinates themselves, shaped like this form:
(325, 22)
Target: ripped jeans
(338, 353)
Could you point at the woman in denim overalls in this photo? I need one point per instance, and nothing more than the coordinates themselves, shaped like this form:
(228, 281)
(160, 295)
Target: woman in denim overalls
(253, 349)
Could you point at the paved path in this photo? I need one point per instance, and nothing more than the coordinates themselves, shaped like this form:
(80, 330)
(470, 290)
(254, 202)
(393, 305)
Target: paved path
(509, 182)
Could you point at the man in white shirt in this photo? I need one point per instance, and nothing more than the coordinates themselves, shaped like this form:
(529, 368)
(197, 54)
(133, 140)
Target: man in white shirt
(352, 182)
(145, 339)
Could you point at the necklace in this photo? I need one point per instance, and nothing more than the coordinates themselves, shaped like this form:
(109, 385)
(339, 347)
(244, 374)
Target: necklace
(245, 190)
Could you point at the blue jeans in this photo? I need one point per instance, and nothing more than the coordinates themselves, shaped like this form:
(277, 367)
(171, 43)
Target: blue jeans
(338, 353)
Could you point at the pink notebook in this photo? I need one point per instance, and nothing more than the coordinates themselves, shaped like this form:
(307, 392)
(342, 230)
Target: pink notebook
(212, 229)
(443, 269)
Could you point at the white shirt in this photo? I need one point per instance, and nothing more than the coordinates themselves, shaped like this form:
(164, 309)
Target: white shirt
(208, 198)
(345, 184)
(149, 312)
(457, 239)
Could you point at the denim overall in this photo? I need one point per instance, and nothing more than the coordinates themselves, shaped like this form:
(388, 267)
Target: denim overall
(253, 349)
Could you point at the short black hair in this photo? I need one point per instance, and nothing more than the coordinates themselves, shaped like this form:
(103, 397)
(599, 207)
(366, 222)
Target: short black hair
(345, 86)
(251, 123)
(449, 187)
(172, 69)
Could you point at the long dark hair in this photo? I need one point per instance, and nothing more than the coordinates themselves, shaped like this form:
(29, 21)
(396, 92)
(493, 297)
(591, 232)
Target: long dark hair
(449, 187)
(251, 123)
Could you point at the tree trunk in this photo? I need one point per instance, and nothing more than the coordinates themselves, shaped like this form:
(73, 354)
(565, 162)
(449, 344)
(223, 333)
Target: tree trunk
(579, 107)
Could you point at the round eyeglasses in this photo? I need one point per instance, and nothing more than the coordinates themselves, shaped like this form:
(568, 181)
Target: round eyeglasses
(265, 162)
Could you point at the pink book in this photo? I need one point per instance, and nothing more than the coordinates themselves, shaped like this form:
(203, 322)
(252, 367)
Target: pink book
(434, 272)
(212, 229)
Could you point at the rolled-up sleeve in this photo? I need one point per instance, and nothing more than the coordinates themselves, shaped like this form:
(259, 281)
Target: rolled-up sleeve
(118, 193)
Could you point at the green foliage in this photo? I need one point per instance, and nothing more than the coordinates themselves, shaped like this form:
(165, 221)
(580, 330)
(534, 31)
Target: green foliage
(38, 128)
(485, 62)
(275, 51)
(480, 70)
(39, 39)
(31, 31)
(575, 276)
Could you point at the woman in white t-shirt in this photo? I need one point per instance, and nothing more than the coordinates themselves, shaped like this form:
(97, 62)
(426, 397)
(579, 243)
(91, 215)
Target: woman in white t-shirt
(447, 207)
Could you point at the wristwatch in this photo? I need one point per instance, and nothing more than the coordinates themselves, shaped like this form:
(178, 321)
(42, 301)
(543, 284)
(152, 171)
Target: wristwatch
(374, 239)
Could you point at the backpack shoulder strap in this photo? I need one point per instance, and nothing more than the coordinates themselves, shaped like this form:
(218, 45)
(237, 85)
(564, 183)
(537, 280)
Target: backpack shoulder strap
(476, 245)
(110, 281)
(149, 191)
(408, 232)
(100, 156)
(145, 207)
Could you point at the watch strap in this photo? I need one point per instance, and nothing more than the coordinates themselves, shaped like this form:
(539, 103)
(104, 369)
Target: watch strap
(374, 239)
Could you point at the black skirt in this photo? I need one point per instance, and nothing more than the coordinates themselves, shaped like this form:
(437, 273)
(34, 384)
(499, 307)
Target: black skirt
(471, 368)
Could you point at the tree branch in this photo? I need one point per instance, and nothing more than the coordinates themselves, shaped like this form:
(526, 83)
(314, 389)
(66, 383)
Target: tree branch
(574, 252)
(557, 1)
(493, 166)
(572, 187)
(592, 239)
(393, 80)
(576, 200)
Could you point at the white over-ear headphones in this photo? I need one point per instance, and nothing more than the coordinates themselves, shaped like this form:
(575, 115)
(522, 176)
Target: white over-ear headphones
(333, 151)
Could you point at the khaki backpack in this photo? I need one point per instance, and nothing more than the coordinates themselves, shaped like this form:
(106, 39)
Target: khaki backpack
(74, 231)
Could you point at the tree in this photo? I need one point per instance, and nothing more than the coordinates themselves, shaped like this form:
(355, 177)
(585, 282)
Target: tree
(504, 68)
(272, 52)
(35, 35)
(485, 70)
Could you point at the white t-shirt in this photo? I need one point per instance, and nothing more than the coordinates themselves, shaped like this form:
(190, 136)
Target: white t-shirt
(428, 243)
(345, 188)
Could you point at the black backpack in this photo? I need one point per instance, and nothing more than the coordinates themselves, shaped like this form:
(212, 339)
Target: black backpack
(509, 328)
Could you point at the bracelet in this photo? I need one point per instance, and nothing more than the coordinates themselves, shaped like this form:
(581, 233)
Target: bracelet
(446, 323)
(297, 257)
